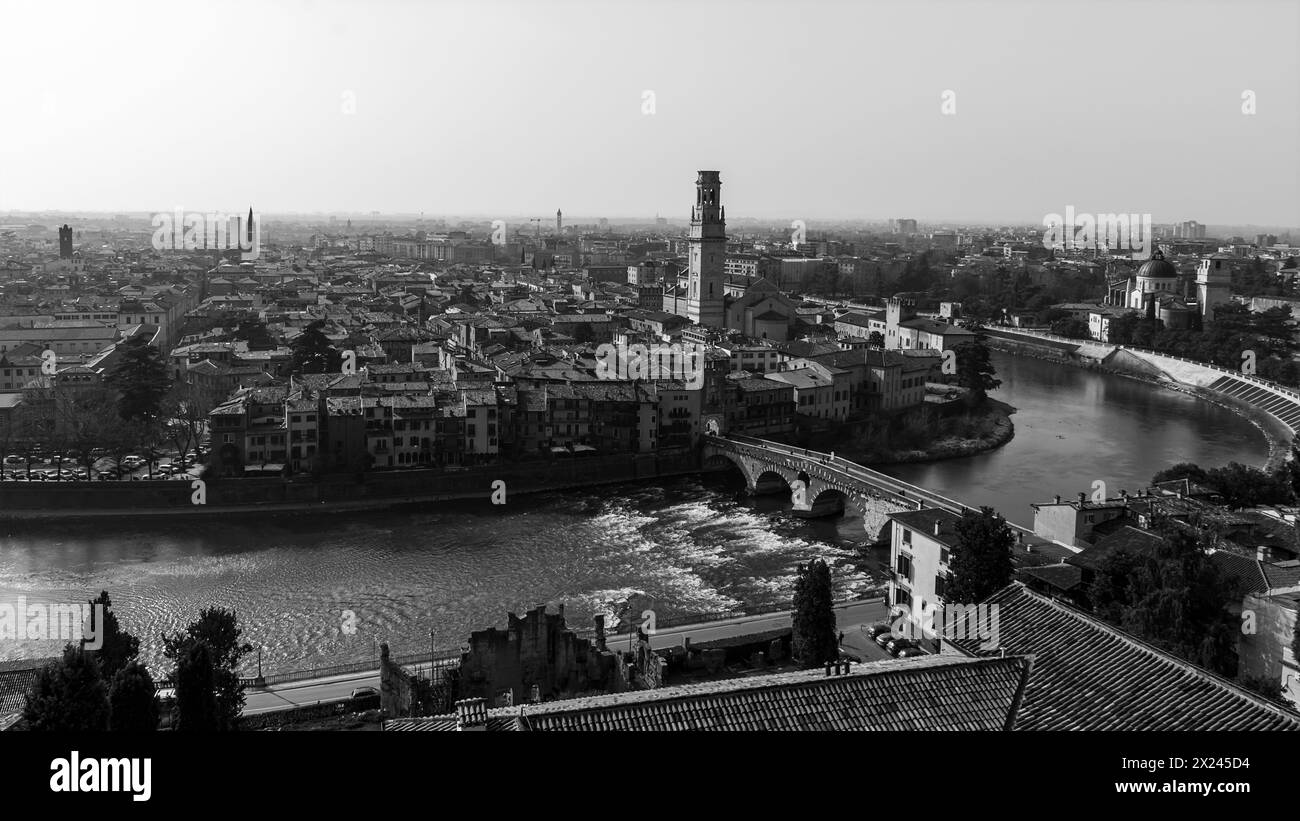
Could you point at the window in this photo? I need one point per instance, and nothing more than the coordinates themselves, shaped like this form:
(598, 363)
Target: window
(907, 536)
(943, 555)
(940, 585)
(904, 567)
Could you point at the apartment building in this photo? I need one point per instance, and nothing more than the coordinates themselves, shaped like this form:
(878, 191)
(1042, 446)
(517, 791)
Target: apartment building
(920, 546)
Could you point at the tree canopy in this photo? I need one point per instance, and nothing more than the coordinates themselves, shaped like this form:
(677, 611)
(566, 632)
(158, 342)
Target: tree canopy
(312, 352)
(981, 558)
(814, 639)
(218, 630)
(68, 695)
(140, 379)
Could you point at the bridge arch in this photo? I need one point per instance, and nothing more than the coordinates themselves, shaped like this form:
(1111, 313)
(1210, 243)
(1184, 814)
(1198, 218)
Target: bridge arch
(829, 486)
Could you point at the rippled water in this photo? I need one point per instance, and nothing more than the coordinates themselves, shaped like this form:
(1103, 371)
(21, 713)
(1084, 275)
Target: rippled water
(430, 577)
(415, 579)
(1076, 427)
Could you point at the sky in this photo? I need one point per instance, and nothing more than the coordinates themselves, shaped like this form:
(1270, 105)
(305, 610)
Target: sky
(810, 110)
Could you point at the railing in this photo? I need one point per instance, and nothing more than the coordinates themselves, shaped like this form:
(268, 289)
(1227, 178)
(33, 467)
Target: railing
(878, 480)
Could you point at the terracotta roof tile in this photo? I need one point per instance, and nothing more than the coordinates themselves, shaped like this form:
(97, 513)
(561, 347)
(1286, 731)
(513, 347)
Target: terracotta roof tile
(1091, 676)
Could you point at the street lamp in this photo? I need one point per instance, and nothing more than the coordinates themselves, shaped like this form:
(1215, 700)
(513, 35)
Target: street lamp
(259, 681)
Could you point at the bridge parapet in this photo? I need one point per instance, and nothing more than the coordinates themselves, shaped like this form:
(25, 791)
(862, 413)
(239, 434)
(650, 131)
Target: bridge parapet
(822, 483)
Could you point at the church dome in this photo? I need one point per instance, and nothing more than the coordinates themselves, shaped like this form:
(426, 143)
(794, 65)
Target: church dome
(1157, 267)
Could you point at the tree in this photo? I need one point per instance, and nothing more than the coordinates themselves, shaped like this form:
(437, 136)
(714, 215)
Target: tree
(133, 700)
(1072, 328)
(1182, 470)
(68, 695)
(253, 331)
(1289, 471)
(1178, 599)
(119, 648)
(312, 352)
(974, 370)
(197, 708)
(1269, 688)
(1109, 592)
(217, 628)
(140, 379)
(1247, 486)
(814, 640)
(981, 558)
(185, 415)
(876, 339)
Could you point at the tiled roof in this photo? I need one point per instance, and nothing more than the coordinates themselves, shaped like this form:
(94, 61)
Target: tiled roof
(926, 693)
(1246, 570)
(932, 693)
(1063, 577)
(1283, 574)
(1091, 676)
(16, 679)
(923, 521)
(1128, 539)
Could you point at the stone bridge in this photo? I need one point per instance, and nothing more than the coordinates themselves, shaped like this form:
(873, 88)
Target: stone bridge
(819, 484)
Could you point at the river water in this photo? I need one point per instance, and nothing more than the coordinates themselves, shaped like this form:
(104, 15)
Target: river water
(421, 578)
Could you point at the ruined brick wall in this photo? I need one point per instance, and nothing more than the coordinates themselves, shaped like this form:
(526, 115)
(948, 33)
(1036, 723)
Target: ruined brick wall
(537, 649)
(402, 692)
(396, 687)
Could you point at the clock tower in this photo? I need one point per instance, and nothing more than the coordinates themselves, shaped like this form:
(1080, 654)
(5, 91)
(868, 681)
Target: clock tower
(708, 248)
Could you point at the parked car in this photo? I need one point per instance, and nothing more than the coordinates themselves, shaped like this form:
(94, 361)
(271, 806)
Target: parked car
(364, 698)
(885, 637)
(909, 652)
(876, 629)
(15, 459)
(895, 646)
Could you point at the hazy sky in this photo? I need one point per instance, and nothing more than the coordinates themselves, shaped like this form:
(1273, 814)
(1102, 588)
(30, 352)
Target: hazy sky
(809, 109)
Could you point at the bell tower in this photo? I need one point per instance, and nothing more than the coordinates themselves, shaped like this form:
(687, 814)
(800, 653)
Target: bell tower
(708, 247)
(1213, 287)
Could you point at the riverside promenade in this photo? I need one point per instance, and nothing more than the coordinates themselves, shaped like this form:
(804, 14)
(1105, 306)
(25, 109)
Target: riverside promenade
(850, 617)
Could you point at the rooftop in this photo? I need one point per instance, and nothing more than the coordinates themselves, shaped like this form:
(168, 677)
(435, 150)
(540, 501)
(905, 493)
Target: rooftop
(1089, 675)
(922, 694)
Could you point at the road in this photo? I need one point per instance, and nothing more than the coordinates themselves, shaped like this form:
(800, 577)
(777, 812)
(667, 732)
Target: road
(850, 617)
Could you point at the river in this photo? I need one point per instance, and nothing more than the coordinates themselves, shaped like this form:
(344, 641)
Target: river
(693, 544)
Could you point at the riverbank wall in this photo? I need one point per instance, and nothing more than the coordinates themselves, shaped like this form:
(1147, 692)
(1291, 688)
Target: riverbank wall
(333, 492)
(1276, 434)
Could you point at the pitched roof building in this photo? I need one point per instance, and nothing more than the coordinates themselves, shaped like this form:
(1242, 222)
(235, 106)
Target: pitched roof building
(1089, 675)
(925, 693)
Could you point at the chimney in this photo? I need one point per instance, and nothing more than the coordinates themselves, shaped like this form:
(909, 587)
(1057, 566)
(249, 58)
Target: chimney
(1058, 498)
(1262, 553)
(936, 527)
(471, 715)
(535, 694)
(1123, 495)
(1083, 497)
(600, 631)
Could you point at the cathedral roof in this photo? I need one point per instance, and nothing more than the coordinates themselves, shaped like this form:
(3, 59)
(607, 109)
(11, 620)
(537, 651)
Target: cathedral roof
(1157, 267)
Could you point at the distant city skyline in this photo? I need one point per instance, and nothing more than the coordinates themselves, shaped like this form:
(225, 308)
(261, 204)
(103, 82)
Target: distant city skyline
(515, 222)
(1107, 107)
